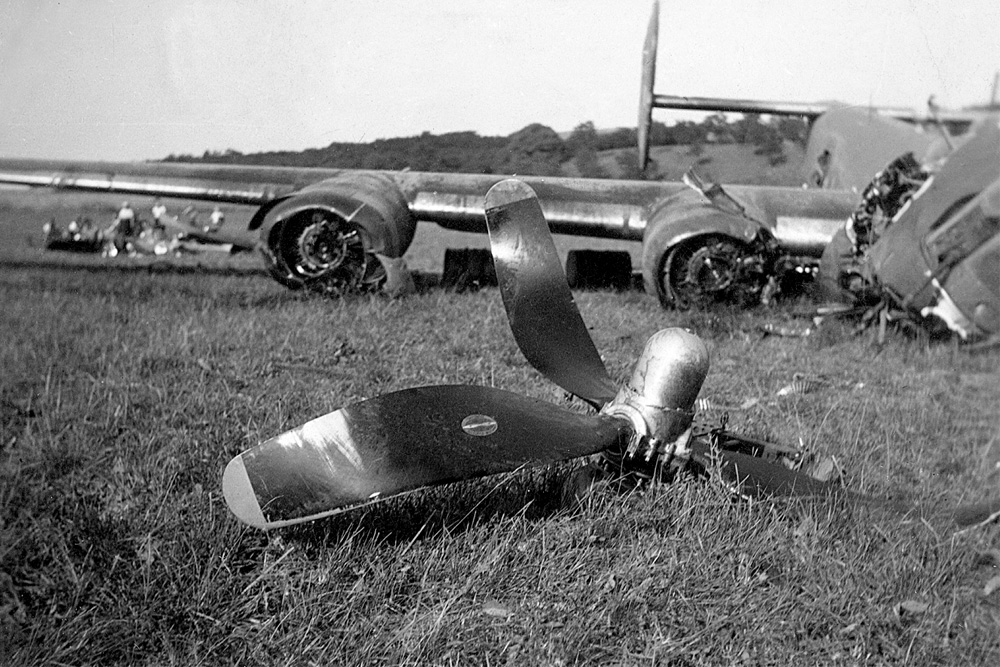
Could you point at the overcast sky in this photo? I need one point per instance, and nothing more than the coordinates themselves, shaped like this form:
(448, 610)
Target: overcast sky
(138, 79)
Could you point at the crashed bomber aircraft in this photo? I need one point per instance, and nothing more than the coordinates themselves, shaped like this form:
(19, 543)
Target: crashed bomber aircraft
(321, 228)
(934, 249)
(426, 436)
(326, 229)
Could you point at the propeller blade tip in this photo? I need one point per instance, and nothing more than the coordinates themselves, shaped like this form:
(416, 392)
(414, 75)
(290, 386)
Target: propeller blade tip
(239, 494)
(507, 192)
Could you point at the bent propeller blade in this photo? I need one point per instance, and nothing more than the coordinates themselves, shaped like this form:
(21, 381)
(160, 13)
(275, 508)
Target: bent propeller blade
(753, 477)
(400, 442)
(544, 318)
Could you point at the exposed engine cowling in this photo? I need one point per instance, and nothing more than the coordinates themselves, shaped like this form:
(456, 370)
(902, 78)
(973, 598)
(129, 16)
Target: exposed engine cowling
(327, 236)
(695, 253)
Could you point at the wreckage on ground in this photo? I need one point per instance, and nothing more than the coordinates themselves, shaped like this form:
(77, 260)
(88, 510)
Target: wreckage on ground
(169, 235)
(931, 252)
(79, 236)
(922, 243)
(423, 437)
(323, 229)
(326, 229)
(332, 230)
(937, 258)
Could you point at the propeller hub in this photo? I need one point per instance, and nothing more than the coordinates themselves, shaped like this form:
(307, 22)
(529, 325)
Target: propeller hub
(659, 398)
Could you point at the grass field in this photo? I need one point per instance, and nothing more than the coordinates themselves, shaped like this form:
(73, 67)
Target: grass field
(127, 388)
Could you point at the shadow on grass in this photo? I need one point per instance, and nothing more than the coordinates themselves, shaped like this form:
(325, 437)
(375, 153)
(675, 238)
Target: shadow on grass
(534, 493)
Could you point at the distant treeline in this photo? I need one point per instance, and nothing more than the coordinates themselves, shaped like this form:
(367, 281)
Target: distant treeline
(534, 150)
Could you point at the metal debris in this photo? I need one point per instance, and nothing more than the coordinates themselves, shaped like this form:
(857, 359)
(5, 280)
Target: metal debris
(801, 384)
(770, 329)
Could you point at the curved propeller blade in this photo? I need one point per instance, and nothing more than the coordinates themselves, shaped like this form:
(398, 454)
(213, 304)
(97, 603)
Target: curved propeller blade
(400, 442)
(753, 477)
(543, 316)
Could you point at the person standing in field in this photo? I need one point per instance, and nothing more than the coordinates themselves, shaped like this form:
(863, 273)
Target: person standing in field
(123, 227)
(158, 211)
(216, 221)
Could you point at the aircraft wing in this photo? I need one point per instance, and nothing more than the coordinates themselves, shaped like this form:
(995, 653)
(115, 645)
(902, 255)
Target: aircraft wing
(217, 183)
(452, 200)
(320, 226)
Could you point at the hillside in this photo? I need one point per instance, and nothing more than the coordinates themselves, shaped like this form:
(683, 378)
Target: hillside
(722, 163)
(746, 150)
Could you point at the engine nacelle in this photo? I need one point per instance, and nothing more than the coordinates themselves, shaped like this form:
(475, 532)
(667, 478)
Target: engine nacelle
(693, 251)
(326, 237)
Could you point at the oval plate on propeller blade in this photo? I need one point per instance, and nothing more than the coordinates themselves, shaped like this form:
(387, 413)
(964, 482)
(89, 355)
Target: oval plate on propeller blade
(403, 441)
(543, 316)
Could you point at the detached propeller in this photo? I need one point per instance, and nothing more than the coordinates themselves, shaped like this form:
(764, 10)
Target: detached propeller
(420, 437)
(658, 399)
(425, 436)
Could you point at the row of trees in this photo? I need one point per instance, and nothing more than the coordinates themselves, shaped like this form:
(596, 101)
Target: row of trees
(535, 149)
